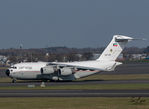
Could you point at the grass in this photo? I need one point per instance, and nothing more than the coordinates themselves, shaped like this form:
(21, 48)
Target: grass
(2, 80)
(118, 77)
(71, 103)
(3, 68)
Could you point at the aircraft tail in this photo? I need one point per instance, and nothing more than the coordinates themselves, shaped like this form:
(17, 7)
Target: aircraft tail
(115, 47)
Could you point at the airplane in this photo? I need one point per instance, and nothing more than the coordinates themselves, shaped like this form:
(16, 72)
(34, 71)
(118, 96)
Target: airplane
(69, 71)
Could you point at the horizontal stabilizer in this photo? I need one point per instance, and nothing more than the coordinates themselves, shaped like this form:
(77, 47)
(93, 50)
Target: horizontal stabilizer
(120, 38)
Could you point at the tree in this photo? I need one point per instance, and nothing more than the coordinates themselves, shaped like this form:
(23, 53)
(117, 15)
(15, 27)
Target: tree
(87, 56)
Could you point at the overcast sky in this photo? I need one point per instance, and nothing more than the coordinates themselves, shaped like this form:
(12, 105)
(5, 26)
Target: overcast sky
(71, 23)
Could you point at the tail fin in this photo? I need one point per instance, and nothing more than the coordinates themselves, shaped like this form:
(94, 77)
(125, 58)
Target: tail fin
(115, 47)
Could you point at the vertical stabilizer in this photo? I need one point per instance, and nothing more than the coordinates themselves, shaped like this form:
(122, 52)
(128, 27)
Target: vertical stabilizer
(115, 47)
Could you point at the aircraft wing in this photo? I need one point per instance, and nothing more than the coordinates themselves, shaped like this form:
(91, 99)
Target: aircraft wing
(73, 66)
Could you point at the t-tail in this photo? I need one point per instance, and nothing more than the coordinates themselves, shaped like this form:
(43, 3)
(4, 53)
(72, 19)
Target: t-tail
(115, 47)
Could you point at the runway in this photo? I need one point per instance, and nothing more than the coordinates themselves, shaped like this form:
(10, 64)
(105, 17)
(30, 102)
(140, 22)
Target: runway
(75, 83)
(74, 93)
(137, 68)
(125, 69)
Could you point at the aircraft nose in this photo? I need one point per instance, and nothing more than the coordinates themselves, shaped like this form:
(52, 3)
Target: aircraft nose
(7, 72)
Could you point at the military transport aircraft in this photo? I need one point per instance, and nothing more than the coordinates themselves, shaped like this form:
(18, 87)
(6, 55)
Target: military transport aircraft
(68, 71)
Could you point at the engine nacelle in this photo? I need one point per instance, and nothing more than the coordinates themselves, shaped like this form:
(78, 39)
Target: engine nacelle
(47, 70)
(61, 71)
(66, 71)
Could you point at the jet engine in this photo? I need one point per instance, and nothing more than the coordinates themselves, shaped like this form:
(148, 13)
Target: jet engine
(66, 71)
(47, 70)
(60, 71)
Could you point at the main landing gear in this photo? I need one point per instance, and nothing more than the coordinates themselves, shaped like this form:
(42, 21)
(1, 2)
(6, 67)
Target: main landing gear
(13, 80)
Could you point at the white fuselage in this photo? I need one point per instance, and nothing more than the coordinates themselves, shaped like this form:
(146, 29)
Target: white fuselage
(31, 71)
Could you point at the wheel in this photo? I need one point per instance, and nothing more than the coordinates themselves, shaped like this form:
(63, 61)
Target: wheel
(13, 81)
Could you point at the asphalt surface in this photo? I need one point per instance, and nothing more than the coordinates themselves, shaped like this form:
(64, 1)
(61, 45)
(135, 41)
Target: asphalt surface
(74, 83)
(74, 93)
(139, 68)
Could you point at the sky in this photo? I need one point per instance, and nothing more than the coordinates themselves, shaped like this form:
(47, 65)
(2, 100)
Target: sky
(71, 23)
